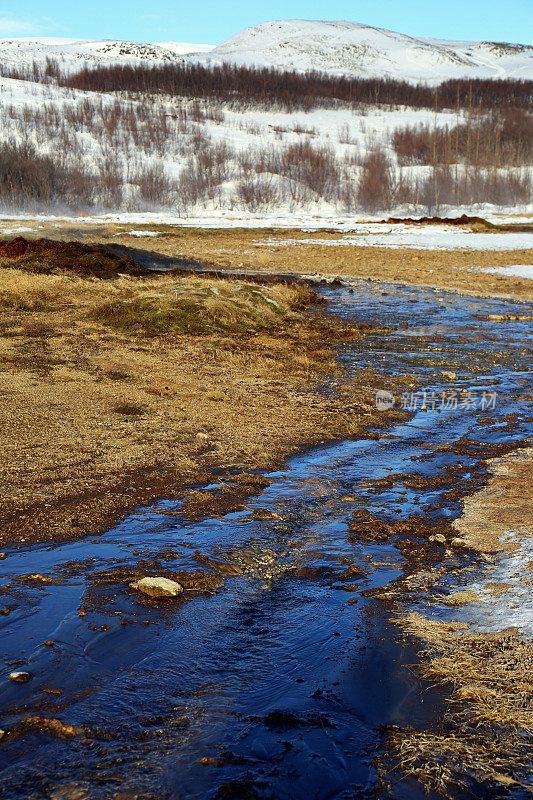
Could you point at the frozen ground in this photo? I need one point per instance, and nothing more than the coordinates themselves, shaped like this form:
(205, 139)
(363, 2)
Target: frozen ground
(512, 604)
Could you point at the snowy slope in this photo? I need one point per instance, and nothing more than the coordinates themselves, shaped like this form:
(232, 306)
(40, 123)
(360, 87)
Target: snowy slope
(353, 49)
(74, 53)
(186, 48)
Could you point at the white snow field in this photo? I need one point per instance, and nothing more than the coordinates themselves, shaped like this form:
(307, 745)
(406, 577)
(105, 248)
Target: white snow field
(430, 237)
(348, 48)
(513, 271)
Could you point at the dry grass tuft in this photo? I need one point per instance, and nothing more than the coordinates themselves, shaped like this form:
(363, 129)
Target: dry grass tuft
(486, 731)
(129, 409)
(198, 306)
(461, 598)
(443, 763)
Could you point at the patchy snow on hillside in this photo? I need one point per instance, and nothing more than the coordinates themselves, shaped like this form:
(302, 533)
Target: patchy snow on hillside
(73, 54)
(179, 142)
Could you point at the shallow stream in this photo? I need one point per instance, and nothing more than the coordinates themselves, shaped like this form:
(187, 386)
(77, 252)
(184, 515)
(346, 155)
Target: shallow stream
(278, 683)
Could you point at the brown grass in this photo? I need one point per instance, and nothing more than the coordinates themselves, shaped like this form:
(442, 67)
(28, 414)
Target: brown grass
(501, 506)
(485, 733)
(250, 250)
(235, 393)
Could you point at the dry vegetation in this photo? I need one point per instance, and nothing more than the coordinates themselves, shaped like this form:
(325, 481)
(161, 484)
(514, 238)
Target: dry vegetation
(248, 249)
(502, 505)
(121, 389)
(485, 734)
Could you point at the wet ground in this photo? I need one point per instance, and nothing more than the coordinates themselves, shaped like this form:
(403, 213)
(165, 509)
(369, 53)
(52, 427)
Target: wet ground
(275, 672)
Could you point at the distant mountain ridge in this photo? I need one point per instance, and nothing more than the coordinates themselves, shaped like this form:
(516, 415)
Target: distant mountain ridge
(338, 47)
(75, 53)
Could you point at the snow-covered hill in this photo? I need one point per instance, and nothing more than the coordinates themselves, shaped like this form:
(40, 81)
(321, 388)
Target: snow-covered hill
(353, 49)
(73, 53)
(341, 48)
(106, 151)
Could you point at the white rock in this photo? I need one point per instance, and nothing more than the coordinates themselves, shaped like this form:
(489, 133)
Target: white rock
(19, 677)
(158, 587)
(451, 376)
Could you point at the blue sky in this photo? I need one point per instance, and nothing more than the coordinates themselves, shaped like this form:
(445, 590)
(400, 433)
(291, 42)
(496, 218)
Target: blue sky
(212, 21)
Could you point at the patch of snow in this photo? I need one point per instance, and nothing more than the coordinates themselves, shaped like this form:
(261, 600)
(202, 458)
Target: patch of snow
(186, 48)
(514, 271)
(138, 233)
(512, 607)
(430, 237)
(17, 229)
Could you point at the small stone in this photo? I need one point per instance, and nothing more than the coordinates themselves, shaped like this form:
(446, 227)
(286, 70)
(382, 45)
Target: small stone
(2, 556)
(20, 677)
(158, 587)
(5, 611)
(82, 613)
(458, 542)
(451, 376)
(438, 538)
(3, 734)
(38, 578)
(48, 642)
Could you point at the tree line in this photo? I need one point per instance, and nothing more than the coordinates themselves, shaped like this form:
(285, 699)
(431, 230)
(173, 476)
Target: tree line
(268, 87)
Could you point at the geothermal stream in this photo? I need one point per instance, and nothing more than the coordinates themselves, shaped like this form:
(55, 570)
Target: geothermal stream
(277, 683)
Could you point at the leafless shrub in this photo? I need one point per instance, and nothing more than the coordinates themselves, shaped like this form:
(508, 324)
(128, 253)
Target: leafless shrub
(308, 167)
(155, 186)
(377, 186)
(257, 192)
(110, 182)
(29, 179)
(499, 139)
